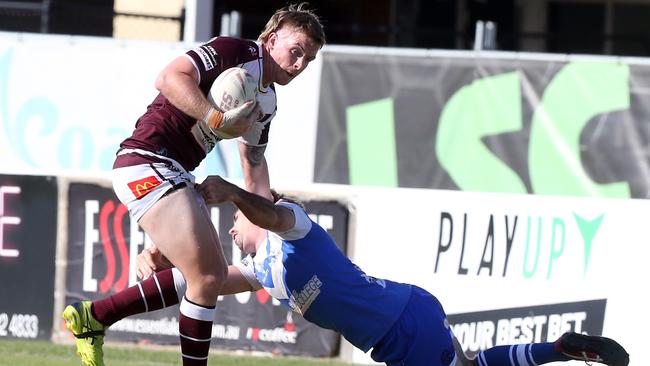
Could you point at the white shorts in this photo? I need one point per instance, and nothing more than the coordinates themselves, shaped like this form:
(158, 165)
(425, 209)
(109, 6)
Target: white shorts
(139, 187)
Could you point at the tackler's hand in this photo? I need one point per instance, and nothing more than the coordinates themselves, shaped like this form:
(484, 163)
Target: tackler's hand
(150, 260)
(215, 189)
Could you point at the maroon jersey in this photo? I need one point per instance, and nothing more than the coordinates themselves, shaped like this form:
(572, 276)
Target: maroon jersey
(167, 131)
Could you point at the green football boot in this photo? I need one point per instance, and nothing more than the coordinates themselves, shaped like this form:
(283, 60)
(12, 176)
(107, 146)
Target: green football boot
(88, 331)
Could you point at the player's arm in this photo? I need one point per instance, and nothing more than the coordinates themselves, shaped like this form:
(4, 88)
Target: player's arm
(262, 212)
(255, 169)
(150, 260)
(235, 282)
(259, 210)
(179, 83)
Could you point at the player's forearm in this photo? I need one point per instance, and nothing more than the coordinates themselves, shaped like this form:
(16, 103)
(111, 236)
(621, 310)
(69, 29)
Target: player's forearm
(256, 171)
(235, 283)
(258, 209)
(258, 181)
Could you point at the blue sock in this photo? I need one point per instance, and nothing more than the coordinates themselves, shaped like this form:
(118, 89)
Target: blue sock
(520, 355)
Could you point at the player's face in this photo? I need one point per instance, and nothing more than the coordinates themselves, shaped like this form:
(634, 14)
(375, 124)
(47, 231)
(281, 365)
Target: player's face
(292, 52)
(244, 234)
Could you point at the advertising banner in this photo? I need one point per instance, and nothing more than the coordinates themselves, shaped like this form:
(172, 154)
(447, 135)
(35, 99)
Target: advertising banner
(28, 219)
(489, 122)
(66, 122)
(545, 323)
(103, 244)
(512, 268)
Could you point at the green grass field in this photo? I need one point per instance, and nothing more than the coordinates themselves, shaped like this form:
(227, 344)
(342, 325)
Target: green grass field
(41, 353)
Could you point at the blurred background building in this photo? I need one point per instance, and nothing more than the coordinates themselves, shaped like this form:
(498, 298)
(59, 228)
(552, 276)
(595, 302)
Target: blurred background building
(618, 27)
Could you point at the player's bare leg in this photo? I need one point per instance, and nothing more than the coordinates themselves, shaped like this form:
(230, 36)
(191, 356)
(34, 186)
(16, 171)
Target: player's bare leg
(180, 225)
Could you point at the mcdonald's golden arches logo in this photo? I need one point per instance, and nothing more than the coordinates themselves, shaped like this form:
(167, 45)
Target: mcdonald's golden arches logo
(141, 187)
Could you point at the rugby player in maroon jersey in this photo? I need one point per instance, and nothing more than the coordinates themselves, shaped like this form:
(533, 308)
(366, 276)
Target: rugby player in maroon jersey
(151, 175)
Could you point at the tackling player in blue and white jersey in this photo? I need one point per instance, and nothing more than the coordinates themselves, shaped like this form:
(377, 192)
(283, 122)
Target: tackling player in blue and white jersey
(298, 263)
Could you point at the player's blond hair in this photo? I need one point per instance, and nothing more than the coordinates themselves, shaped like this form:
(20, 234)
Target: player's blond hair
(298, 17)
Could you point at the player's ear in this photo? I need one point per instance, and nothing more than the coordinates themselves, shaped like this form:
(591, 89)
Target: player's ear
(271, 39)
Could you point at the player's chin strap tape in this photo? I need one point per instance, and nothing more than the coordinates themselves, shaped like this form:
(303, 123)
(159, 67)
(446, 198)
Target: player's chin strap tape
(91, 334)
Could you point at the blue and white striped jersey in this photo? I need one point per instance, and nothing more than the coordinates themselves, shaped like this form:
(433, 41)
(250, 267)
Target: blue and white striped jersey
(305, 270)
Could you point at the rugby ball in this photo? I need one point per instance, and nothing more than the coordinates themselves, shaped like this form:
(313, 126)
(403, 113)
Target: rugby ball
(232, 88)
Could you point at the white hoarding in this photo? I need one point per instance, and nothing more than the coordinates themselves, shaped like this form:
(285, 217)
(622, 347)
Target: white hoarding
(501, 253)
(66, 102)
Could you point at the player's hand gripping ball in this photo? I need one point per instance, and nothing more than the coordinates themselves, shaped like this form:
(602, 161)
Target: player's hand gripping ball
(229, 92)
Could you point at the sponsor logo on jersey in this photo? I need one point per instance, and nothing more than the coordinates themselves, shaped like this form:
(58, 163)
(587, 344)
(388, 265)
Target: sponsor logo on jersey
(142, 187)
(212, 51)
(207, 58)
(252, 50)
(371, 279)
(300, 302)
